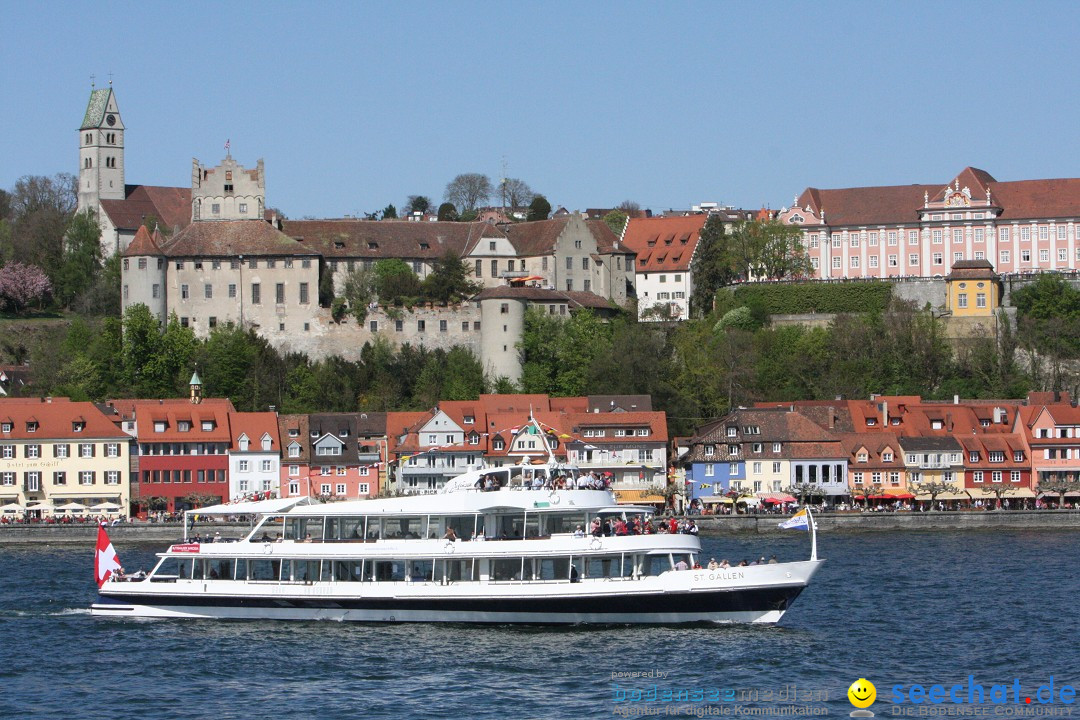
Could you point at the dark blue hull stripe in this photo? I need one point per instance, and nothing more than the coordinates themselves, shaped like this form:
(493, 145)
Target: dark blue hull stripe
(754, 600)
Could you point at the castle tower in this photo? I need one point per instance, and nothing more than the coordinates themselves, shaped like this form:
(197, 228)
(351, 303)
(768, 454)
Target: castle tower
(101, 151)
(227, 192)
(143, 274)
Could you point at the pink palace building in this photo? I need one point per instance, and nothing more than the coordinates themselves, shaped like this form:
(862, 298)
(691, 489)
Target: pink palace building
(921, 230)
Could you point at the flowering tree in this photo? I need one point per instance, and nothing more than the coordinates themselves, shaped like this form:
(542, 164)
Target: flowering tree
(21, 285)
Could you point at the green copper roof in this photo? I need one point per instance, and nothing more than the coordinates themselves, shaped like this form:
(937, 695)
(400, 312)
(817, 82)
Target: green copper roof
(195, 379)
(95, 110)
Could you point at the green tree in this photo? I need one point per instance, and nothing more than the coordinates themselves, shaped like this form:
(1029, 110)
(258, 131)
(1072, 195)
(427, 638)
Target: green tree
(389, 212)
(447, 212)
(711, 266)
(616, 220)
(781, 253)
(359, 291)
(539, 209)
(395, 282)
(82, 259)
(449, 280)
(418, 204)
(141, 344)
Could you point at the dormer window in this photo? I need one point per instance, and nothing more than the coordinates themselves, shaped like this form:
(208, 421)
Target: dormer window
(183, 425)
(887, 456)
(499, 444)
(339, 245)
(973, 457)
(936, 425)
(31, 426)
(243, 444)
(78, 426)
(984, 422)
(732, 431)
(733, 449)
(373, 246)
(343, 432)
(5, 427)
(474, 439)
(861, 457)
(294, 451)
(294, 432)
(207, 425)
(266, 442)
(710, 450)
(871, 421)
(469, 419)
(424, 246)
(160, 425)
(757, 447)
(996, 456)
(1018, 456)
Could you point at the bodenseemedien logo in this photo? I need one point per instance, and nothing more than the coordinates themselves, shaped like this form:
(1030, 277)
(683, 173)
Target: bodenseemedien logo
(862, 694)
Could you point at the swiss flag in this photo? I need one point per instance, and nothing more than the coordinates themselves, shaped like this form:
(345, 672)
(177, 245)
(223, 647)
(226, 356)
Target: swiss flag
(105, 559)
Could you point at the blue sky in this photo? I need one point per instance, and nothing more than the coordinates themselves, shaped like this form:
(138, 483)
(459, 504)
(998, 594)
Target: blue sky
(356, 105)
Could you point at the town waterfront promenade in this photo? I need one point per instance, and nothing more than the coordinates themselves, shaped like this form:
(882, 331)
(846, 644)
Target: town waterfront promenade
(709, 525)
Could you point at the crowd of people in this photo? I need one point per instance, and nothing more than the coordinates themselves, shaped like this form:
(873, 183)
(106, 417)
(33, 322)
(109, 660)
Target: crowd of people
(638, 525)
(591, 480)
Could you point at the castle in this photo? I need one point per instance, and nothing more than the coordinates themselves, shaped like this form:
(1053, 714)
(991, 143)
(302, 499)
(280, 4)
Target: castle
(214, 258)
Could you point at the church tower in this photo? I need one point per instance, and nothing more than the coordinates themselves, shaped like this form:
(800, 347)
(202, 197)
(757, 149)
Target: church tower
(101, 151)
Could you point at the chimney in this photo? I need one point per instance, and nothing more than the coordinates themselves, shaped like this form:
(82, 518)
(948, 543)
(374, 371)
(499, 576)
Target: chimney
(955, 399)
(884, 413)
(832, 417)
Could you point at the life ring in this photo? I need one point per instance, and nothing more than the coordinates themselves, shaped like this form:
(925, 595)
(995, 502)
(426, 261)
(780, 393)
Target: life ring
(555, 497)
(449, 548)
(268, 549)
(596, 544)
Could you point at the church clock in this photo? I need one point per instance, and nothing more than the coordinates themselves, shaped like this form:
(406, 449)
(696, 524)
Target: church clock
(111, 119)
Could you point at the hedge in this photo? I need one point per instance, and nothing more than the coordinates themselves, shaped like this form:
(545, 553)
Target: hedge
(796, 298)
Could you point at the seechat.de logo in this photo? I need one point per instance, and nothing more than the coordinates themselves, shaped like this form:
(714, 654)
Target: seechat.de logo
(862, 694)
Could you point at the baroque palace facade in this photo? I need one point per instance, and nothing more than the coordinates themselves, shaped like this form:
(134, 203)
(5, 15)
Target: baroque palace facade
(922, 230)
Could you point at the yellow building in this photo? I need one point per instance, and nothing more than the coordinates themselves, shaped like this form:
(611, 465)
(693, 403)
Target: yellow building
(62, 458)
(972, 289)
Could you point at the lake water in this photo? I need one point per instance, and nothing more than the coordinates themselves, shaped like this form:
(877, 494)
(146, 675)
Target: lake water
(896, 608)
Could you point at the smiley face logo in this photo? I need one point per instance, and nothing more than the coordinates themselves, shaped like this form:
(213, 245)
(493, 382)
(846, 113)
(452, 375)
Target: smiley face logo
(862, 693)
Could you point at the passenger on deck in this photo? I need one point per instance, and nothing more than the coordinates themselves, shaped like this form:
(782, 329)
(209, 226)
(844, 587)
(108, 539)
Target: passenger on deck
(595, 529)
(620, 527)
(450, 534)
(479, 535)
(713, 565)
(578, 532)
(773, 560)
(724, 564)
(681, 565)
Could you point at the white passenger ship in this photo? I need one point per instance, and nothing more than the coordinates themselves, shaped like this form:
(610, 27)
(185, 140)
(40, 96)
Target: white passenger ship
(521, 551)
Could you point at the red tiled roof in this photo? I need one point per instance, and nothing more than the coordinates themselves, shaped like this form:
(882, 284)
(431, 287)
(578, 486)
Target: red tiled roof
(575, 298)
(172, 411)
(170, 205)
(349, 238)
(143, 244)
(664, 243)
(1022, 199)
(54, 420)
(299, 425)
(229, 238)
(254, 425)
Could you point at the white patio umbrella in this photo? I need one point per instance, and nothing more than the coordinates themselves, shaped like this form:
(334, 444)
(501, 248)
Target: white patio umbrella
(71, 507)
(12, 508)
(40, 506)
(106, 507)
